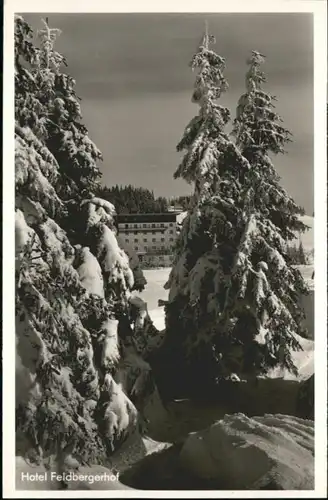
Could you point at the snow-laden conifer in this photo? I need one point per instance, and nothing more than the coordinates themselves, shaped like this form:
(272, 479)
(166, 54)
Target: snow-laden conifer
(206, 244)
(68, 138)
(260, 133)
(233, 301)
(67, 338)
(73, 285)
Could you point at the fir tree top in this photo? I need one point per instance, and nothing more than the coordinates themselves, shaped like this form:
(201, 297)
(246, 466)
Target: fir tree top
(209, 152)
(210, 81)
(259, 133)
(257, 126)
(47, 38)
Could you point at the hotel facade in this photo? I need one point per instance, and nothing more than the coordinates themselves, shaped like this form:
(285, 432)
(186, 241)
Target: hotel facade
(151, 236)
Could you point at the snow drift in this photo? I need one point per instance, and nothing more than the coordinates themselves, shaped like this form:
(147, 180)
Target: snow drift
(269, 452)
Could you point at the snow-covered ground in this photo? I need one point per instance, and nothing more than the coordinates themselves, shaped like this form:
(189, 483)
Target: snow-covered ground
(270, 452)
(94, 477)
(233, 452)
(156, 279)
(181, 418)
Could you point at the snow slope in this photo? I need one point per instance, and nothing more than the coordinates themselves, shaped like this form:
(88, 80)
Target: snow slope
(269, 452)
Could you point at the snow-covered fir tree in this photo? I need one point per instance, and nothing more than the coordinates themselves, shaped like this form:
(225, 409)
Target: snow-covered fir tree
(297, 254)
(232, 308)
(67, 137)
(259, 133)
(73, 312)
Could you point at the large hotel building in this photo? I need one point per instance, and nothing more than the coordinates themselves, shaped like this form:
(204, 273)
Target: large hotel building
(151, 236)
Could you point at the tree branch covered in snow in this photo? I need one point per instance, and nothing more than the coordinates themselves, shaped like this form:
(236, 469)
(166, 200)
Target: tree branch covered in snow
(234, 296)
(73, 281)
(259, 132)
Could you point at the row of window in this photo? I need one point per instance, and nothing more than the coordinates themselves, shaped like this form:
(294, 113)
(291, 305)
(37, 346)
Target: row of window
(153, 232)
(146, 241)
(150, 248)
(158, 224)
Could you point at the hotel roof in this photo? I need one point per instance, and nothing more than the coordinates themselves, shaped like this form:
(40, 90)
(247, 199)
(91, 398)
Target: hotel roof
(160, 217)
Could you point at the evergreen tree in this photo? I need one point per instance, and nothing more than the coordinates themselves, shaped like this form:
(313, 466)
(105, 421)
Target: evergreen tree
(130, 199)
(259, 132)
(68, 138)
(182, 201)
(275, 218)
(205, 248)
(297, 255)
(73, 311)
(233, 301)
(292, 253)
(302, 256)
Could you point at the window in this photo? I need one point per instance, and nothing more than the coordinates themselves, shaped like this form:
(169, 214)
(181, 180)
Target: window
(136, 225)
(136, 248)
(171, 232)
(171, 224)
(126, 241)
(135, 233)
(145, 240)
(126, 226)
(154, 247)
(154, 240)
(136, 240)
(144, 225)
(171, 239)
(146, 248)
(162, 225)
(163, 248)
(162, 239)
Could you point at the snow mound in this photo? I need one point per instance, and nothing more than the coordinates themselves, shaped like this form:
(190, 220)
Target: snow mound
(133, 450)
(269, 452)
(158, 318)
(154, 291)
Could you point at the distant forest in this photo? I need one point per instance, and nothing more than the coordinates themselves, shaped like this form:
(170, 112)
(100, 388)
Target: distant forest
(131, 199)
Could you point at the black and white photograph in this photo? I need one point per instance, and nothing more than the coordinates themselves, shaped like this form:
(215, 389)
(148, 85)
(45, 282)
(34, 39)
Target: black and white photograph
(166, 312)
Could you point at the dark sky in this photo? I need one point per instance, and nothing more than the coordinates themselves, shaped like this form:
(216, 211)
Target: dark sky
(133, 77)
